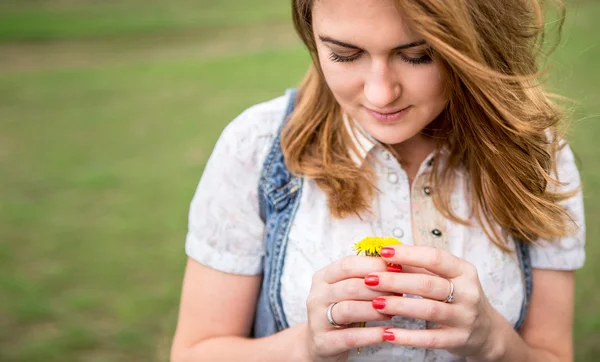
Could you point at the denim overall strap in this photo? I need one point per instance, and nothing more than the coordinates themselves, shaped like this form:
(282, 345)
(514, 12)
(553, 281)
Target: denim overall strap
(279, 195)
(524, 257)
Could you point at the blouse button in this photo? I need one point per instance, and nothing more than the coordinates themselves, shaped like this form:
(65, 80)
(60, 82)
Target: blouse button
(398, 232)
(436, 233)
(393, 178)
(427, 190)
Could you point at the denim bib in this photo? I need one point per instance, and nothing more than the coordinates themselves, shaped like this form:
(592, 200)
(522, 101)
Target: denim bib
(279, 197)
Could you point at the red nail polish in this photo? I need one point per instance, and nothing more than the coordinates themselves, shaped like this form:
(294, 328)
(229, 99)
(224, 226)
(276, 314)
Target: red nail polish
(387, 252)
(371, 280)
(399, 294)
(394, 268)
(389, 335)
(379, 303)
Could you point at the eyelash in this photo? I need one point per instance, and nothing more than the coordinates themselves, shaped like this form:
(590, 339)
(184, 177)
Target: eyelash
(425, 59)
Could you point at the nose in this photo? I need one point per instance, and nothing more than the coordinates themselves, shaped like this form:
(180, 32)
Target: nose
(381, 86)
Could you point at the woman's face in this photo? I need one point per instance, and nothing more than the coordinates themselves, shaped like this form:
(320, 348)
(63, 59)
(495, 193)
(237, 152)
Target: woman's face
(377, 68)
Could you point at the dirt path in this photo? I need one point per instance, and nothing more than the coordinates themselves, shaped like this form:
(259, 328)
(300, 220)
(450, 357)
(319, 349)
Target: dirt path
(198, 44)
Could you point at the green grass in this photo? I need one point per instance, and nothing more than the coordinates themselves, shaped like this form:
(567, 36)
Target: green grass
(99, 164)
(58, 20)
(101, 177)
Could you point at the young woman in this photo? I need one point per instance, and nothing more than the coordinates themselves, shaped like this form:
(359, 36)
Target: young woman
(420, 120)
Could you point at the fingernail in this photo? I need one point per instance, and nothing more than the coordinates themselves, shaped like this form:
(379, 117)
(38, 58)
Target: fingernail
(394, 268)
(387, 252)
(371, 280)
(389, 335)
(379, 303)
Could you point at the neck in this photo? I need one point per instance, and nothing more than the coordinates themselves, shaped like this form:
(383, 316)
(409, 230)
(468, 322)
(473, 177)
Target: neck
(412, 152)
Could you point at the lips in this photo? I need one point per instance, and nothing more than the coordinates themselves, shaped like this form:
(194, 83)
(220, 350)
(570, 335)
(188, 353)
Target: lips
(387, 113)
(388, 116)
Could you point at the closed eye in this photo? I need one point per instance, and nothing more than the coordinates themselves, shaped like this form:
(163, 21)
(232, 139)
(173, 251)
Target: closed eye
(343, 58)
(423, 59)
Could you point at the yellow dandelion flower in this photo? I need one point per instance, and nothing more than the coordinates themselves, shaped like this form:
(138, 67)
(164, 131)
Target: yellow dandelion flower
(371, 245)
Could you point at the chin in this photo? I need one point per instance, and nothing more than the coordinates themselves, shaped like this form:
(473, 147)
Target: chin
(390, 134)
(390, 139)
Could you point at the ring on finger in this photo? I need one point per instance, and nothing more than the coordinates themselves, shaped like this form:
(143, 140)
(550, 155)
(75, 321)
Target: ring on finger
(330, 317)
(450, 297)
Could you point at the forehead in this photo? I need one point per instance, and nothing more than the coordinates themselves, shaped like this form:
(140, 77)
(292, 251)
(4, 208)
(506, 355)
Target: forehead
(378, 23)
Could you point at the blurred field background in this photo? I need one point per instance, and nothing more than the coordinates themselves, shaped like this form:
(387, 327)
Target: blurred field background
(108, 113)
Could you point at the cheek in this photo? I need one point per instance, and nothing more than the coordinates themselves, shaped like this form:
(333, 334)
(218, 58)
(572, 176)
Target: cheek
(333, 75)
(425, 85)
(343, 82)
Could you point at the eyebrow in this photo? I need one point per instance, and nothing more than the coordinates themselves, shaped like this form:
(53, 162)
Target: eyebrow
(327, 39)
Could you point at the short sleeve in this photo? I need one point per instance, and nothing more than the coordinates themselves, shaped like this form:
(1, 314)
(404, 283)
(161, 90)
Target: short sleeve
(225, 231)
(567, 253)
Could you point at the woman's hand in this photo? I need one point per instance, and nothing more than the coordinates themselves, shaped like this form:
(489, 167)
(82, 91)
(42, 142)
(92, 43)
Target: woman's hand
(342, 283)
(464, 326)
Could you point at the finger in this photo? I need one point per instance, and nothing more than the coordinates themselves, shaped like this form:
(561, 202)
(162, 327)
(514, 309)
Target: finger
(415, 270)
(434, 260)
(352, 267)
(341, 340)
(425, 338)
(351, 289)
(425, 285)
(424, 309)
(347, 312)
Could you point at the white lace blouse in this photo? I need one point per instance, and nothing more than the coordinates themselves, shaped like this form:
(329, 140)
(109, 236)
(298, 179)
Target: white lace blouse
(226, 232)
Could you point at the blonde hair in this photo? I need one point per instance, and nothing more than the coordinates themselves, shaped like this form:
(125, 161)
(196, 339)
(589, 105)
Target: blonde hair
(499, 123)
